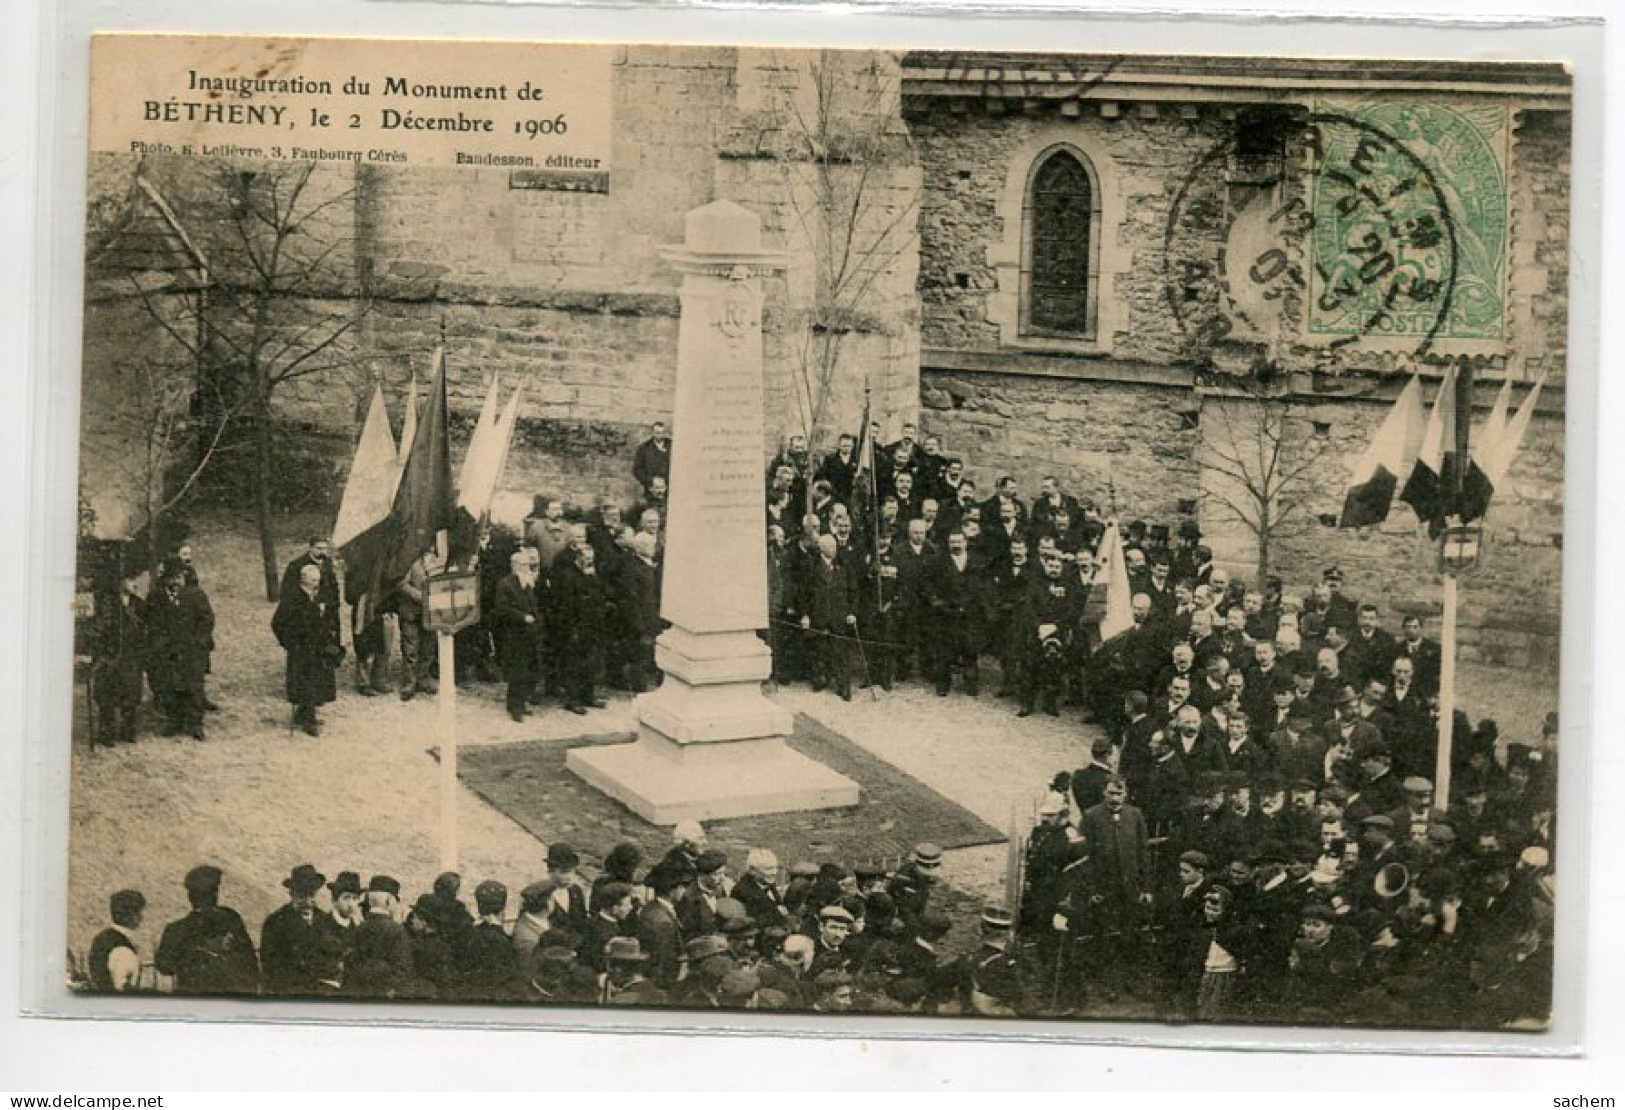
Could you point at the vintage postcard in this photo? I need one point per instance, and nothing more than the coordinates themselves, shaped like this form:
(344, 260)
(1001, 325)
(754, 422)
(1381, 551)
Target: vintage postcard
(720, 528)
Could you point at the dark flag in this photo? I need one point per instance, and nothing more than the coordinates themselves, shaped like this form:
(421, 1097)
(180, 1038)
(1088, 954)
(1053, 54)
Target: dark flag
(421, 508)
(865, 503)
(1430, 486)
(1390, 457)
(424, 502)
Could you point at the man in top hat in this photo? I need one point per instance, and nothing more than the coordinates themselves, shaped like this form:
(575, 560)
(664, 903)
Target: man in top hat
(489, 968)
(208, 951)
(300, 951)
(911, 887)
(114, 959)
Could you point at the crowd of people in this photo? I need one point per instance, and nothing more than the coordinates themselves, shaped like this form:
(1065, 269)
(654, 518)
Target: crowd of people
(1255, 833)
(686, 930)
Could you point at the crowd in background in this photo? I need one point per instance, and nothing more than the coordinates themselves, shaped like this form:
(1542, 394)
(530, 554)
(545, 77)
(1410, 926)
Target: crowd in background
(1255, 833)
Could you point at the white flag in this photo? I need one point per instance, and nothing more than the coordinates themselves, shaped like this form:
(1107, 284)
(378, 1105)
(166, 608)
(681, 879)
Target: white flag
(369, 489)
(1119, 597)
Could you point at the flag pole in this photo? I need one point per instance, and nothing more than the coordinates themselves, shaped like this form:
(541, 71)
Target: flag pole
(1447, 694)
(447, 644)
(1447, 628)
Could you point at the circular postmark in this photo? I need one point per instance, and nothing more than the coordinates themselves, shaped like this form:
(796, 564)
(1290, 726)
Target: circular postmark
(1360, 246)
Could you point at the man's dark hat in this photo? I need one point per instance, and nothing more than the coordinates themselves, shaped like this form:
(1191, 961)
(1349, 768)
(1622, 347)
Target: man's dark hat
(348, 882)
(125, 902)
(1332, 574)
(305, 880)
(562, 857)
(384, 884)
(204, 879)
(447, 884)
(711, 861)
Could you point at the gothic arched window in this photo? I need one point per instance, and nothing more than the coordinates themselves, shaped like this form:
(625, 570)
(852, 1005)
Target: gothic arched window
(1061, 218)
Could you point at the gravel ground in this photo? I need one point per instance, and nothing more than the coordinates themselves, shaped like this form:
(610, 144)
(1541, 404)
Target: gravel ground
(256, 798)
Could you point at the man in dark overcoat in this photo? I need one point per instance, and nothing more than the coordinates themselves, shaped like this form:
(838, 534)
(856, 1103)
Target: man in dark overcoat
(581, 612)
(180, 636)
(307, 627)
(516, 625)
(828, 612)
(120, 649)
(300, 948)
(208, 951)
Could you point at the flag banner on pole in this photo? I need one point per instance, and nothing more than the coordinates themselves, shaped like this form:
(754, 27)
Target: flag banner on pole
(423, 503)
(361, 529)
(1479, 482)
(1119, 616)
(1499, 460)
(483, 428)
(865, 505)
(1426, 488)
(1494, 427)
(409, 422)
(369, 488)
(482, 470)
(1388, 460)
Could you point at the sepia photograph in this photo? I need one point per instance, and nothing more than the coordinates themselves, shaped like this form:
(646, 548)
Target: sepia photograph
(964, 535)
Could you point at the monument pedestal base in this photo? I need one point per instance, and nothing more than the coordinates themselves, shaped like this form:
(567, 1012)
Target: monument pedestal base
(665, 782)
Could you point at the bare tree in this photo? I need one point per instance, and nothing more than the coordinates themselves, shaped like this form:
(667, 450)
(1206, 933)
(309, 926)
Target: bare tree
(154, 418)
(835, 135)
(280, 302)
(1258, 459)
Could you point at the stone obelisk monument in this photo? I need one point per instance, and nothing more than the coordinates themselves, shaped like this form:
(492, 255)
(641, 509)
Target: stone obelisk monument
(710, 744)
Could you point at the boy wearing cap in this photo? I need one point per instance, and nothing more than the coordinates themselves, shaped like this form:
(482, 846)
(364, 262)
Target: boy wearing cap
(911, 887)
(834, 926)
